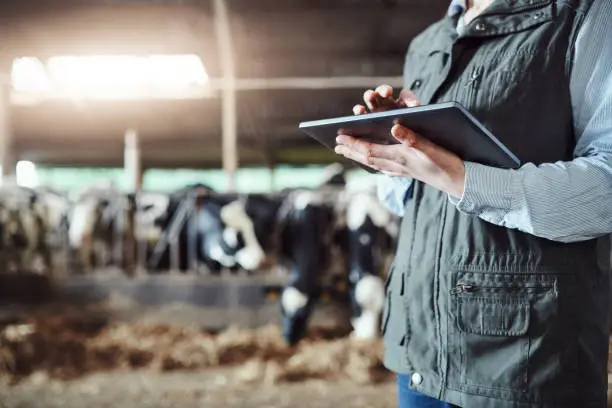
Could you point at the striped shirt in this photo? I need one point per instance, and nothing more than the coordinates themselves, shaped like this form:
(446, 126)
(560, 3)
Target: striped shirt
(563, 201)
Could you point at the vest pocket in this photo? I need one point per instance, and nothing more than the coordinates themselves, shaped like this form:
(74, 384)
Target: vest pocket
(494, 349)
(497, 324)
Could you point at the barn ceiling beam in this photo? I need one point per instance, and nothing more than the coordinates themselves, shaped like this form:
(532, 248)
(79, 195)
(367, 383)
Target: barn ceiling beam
(337, 82)
(229, 107)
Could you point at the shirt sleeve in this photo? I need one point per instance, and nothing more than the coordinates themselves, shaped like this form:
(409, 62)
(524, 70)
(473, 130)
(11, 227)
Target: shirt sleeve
(563, 201)
(393, 193)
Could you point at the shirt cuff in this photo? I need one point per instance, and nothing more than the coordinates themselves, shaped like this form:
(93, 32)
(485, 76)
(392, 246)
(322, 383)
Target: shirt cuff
(486, 188)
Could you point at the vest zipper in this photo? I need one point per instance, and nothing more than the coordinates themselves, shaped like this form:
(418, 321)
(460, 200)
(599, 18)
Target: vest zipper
(465, 288)
(461, 289)
(476, 74)
(472, 85)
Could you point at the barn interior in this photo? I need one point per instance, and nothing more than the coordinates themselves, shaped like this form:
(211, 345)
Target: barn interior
(153, 175)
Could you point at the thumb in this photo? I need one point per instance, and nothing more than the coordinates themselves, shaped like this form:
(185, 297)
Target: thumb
(408, 98)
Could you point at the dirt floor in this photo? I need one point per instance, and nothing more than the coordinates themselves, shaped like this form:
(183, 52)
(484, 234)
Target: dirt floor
(82, 360)
(212, 388)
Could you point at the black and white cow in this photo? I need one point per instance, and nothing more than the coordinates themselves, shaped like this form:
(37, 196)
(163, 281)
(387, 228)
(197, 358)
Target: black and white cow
(239, 230)
(372, 232)
(327, 219)
(308, 232)
(224, 231)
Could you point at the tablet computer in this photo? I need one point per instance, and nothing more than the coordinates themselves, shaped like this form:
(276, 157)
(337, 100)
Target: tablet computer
(448, 124)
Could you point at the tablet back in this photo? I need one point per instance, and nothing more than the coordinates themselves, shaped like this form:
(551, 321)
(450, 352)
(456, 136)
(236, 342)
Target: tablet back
(448, 125)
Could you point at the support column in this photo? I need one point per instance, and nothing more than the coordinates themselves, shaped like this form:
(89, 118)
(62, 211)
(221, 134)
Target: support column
(229, 118)
(127, 245)
(132, 161)
(8, 156)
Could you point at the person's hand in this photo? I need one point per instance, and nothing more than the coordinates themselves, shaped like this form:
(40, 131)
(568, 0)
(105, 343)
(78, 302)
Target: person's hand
(381, 99)
(414, 156)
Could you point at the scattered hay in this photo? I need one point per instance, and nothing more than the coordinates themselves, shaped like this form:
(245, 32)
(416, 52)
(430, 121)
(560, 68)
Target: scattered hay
(66, 347)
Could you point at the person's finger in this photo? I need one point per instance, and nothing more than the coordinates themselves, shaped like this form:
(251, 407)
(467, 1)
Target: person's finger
(385, 91)
(345, 140)
(367, 149)
(352, 154)
(359, 110)
(408, 98)
(379, 157)
(387, 166)
(409, 138)
(359, 147)
(395, 153)
(376, 102)
(369, 97)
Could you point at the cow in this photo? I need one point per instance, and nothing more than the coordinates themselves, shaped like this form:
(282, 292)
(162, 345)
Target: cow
(372, 232)
(92, 225)
(28, 219)
(308, 233)
(347, 219)
(239, 229)
(225, 231)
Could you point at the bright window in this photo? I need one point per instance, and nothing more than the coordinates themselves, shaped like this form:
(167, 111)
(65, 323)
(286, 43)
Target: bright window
(111, 76)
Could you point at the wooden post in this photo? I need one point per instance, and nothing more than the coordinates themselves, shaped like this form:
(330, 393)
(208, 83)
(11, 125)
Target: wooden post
(8, 157)
(133, 174)
(131, 161)
(229, 117)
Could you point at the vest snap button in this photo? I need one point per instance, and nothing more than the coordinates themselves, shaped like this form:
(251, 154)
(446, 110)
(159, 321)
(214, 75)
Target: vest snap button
(416, 84)
(416, 378)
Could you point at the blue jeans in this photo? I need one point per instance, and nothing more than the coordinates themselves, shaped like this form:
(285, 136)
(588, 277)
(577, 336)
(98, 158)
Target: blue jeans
(408, 398)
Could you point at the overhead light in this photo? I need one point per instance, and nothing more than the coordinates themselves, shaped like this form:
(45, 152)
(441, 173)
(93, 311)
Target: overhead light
(111, 76)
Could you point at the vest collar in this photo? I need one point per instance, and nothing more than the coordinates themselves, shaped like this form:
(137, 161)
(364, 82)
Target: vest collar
(504, 17)
(458, 7)
(513, 6)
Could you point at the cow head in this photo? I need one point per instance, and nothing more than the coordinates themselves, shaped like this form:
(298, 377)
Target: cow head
(238, 231)
(249, 253)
